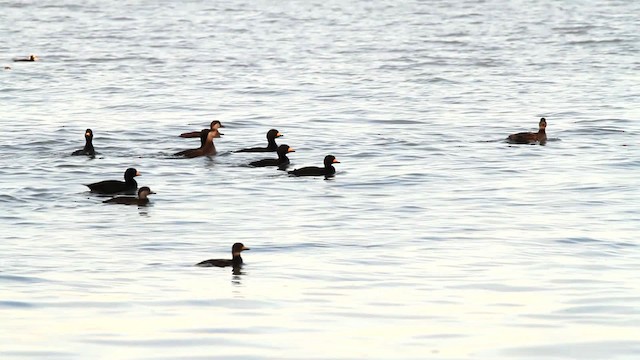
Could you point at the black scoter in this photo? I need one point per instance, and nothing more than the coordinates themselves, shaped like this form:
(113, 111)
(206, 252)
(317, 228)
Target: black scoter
(129, 184)
(88, 146)
(271, 143)
(327, 170)
(236, 261)
(282, 161)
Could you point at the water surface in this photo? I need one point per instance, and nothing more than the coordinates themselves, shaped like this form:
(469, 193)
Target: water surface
(436, 239)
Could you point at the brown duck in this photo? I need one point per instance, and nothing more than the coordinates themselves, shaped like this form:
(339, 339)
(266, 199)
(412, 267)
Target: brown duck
(215, 125)
(141, 200)
(530, 137)
(207, 149)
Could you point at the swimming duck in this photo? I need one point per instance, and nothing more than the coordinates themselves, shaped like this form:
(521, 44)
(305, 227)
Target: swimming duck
(207, 149)
(215, 125)
(236, 261)
(282, 161)
(271, 145)
(88, 146)
(141, 200)
(327, 170)
(116, 186)
(531, 137)
(30, 58)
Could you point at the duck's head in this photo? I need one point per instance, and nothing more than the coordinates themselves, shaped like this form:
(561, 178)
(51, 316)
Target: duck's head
(144, 191)
(215, 124)
(543, 123)
(88, 134)
(330, 159)
(284, 149)
(130, 173)
(237, 248)
(272, 134)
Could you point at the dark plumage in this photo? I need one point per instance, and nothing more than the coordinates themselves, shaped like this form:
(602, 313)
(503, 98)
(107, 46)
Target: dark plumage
(282, 160)
(215, 125)
(327, 170)
(236, 261)
(30, 58)
(207, 149)
(531, 137)
(141, 200)
(271, 143)
(88, 146)
(129, 185)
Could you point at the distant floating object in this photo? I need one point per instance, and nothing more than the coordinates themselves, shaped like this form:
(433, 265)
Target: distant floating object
(30, 58)
(7, 67)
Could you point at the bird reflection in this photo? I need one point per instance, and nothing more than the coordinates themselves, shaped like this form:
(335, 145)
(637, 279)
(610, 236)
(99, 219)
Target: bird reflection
(143, 210)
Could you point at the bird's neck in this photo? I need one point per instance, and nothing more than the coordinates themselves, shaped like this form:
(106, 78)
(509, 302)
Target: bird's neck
(88, 146)
(272, 144)
(208, 146)
(283, 157)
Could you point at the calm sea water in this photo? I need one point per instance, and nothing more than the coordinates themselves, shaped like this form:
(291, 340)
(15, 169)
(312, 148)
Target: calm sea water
(435, 239)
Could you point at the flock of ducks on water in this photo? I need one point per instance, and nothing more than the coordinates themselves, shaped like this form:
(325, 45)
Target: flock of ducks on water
(207, 148)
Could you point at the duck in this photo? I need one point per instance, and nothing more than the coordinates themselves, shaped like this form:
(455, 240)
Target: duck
(282, 161)
(141, 200)
(271, 143)
(327, 170)
(129, 184)
(531, 137)
(207, 149)
(236, 261)
(88, 146)
(215, 125)
(30, 58)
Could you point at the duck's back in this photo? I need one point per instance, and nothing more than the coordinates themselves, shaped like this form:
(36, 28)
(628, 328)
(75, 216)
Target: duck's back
(112, 186)
(310, 171)
(265, 162)
(126, 200)
(256, 149)
(523, 137)
(215, 262)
